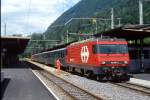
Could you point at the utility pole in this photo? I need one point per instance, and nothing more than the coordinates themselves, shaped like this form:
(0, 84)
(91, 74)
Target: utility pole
(44, 41)
(79, 35)
(5, 29)
(112, 18)
(96, 26)
(141, 12)
(67, 36)
(1, 59)
(119, 22)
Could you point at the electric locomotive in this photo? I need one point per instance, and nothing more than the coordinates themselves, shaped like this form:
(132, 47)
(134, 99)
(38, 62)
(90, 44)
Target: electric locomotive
(105, 58)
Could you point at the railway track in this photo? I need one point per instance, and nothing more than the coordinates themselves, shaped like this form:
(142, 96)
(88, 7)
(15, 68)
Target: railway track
(76, 93)
(135, 87)
(79, 94)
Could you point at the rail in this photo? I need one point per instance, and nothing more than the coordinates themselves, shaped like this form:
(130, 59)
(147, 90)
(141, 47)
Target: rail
(70, 89)
(135, 87)
(76, 93)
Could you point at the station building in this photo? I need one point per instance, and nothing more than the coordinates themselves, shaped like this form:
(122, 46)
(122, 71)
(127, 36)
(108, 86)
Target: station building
(11, 47)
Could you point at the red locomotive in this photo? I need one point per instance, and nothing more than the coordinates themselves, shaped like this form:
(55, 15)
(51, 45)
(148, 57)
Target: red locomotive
(106, 58)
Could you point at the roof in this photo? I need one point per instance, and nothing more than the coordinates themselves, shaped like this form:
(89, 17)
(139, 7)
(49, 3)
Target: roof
(14, 37)
(57, 47)
(13, 44)
(129, 32)
(98, 39)
(50, 51)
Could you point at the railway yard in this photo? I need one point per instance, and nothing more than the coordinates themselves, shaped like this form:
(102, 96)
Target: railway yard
(36, 78)
(68, 86)
(104, 67)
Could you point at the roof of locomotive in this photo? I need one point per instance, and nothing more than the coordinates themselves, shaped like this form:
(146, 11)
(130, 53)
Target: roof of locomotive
(98, 39)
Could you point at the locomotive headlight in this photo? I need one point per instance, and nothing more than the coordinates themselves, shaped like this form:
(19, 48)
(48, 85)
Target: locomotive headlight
(125, 62)
(103, 62)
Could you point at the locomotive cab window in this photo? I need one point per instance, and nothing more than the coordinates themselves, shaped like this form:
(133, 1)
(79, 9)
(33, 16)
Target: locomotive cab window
(110, 48)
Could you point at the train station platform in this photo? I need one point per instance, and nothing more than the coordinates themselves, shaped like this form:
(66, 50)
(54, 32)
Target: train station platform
(21, 84)
(143, 76)
(142, 79)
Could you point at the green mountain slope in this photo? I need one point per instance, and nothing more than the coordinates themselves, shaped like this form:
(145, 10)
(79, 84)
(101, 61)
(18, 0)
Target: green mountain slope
(127, 10)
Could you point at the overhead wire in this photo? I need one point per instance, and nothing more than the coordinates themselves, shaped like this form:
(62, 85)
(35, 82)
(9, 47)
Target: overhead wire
(28, 16)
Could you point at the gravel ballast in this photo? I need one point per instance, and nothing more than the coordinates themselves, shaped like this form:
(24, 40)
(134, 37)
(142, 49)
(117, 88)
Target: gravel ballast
(102, 89)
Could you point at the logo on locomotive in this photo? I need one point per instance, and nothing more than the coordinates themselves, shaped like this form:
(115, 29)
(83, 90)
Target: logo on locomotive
(84, 54)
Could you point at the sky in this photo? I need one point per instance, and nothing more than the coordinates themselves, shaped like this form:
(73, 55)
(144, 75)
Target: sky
(31, 16)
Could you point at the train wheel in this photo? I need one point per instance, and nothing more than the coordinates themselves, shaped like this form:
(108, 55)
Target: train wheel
(97, 77)
(115, 79)
(125, 78)
(70, 69)
(100, 77)
(108, 78)
(67, 69)
(89, 74)
(82, 71)
(73, 69)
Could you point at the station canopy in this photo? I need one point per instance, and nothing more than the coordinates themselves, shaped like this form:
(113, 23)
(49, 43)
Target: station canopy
(129, 32)
(13, 44)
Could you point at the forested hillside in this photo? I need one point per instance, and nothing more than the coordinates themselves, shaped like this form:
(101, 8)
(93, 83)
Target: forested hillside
(126, 10)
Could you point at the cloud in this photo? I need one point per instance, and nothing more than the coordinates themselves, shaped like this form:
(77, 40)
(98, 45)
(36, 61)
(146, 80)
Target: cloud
(28, 16)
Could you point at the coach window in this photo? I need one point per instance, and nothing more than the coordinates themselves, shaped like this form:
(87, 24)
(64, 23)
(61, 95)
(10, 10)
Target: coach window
(46, 55)
(61, 54)
(49, 54)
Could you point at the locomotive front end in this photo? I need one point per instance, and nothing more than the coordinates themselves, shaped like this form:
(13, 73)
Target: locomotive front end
(113, 58)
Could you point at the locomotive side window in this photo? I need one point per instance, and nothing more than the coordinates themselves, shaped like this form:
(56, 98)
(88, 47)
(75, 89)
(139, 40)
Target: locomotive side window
(110, 48)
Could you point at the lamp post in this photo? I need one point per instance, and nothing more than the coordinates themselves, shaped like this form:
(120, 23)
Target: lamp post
(141, 22)
(67, 36)
(112, 18)
(3, 52)
(141, 12)
(5, 29)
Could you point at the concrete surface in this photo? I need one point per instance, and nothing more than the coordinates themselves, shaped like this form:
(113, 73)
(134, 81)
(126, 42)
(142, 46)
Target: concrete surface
(143, 76)
(21, 84)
